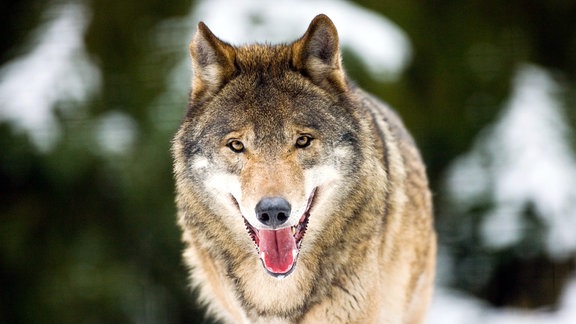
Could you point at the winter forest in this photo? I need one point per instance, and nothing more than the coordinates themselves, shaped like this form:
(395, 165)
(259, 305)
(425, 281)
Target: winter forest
(92, 91)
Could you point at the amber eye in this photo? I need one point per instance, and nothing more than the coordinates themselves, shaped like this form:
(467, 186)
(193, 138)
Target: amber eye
(303, 141)
(236, 146)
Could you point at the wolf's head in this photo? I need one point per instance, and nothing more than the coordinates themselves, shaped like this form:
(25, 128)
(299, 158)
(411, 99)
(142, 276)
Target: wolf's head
(269, 144)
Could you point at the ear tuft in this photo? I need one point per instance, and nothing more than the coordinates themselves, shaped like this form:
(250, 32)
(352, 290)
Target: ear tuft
(317, 55)
(212, 62)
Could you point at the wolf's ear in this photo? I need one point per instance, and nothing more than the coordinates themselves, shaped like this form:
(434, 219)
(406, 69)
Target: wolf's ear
(317, 55)
(212, 62)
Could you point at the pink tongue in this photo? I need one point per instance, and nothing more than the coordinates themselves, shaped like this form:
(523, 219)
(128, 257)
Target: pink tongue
(278, 249)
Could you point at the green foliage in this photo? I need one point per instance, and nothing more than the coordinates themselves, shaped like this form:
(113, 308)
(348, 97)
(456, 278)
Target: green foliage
(88, 235)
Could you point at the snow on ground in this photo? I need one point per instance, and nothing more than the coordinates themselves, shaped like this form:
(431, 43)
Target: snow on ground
(451, 307)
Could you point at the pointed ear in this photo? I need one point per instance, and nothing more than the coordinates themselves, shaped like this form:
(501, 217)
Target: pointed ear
(317, 55)
(212, 62)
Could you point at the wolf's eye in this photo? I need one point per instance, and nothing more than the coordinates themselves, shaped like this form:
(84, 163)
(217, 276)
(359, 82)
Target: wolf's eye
(303, 141)
(236, 146)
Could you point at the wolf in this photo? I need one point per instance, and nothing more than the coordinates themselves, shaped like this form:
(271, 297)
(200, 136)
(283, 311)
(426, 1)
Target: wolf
(300, 197)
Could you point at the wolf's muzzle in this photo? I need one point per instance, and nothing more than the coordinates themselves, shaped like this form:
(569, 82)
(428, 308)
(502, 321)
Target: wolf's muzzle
(273, 211)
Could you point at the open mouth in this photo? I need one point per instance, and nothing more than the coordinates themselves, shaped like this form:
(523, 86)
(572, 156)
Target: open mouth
(279, 248)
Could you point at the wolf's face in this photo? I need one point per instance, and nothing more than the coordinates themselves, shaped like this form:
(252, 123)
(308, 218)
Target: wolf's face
(268, 138)
(268, 157)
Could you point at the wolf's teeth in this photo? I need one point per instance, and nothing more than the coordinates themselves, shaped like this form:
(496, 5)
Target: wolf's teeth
(293, 230)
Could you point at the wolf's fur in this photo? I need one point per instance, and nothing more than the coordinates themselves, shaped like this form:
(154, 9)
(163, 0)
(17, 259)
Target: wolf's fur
(284, 121)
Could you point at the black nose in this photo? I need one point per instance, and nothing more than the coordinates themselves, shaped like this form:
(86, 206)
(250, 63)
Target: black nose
(273, 211)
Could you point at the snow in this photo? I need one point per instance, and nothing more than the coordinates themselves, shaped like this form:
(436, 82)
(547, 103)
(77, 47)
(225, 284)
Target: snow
(56, 70)
(116, 133)
(451, 307)
(524, 159)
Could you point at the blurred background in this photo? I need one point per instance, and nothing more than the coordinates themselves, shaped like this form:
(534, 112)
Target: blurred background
(91, 92)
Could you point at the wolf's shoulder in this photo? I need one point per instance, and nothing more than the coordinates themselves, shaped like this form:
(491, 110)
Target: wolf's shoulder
(383, 115)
